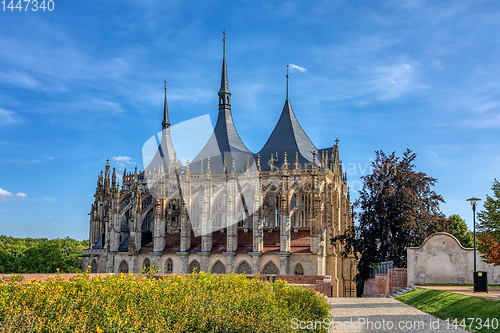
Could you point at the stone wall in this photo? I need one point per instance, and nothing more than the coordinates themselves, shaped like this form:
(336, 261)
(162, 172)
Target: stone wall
(442, 260)
(385, 284)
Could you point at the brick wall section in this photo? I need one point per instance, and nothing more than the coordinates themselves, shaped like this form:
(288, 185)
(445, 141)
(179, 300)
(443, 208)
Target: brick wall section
(324, 287)
(384, 284)
(378, 285)
(315, 282)
(398, 278)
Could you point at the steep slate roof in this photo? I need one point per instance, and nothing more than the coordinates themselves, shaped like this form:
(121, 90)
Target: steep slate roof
(288, 136)
(225, 141)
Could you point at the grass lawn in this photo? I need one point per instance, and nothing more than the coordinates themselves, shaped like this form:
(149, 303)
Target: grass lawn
(495, 287)
(444, 305)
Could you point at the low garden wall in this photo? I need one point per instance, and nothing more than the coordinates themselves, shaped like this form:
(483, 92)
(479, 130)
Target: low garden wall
(385, 284)
(441, 259)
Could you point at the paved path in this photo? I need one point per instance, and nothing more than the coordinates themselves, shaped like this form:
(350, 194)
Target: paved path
(493, 293)
(382, 315)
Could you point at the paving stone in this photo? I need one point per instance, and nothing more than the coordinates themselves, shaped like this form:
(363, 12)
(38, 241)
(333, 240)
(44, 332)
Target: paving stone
(382, 315)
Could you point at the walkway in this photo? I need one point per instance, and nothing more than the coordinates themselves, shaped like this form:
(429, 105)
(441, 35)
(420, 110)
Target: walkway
(382, 315)
(493, 292)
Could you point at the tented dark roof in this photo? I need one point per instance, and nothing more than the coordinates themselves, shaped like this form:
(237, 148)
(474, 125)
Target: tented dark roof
(100, 242)
(124, 246)
(224, 142)
(164, 154)
(288, 136)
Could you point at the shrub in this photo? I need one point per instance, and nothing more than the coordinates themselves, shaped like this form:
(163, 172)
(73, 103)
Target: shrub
(193, 303)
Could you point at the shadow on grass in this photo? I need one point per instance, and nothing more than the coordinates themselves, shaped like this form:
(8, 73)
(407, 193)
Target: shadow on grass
(445, 304)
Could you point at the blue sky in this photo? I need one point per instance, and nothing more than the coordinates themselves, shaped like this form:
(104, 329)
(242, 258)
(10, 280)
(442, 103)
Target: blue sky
(85, 82)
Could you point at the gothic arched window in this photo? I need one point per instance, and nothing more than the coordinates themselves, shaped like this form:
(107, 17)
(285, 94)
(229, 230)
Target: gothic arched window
(169, 266)
(270, 269)
(93, 267)
(146, 224)
(146, 263)
(123, 268)
(299, 270)
(244, 268)
(218, 268)
(194, 267)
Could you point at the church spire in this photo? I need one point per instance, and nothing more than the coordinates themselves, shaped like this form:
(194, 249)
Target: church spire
(224, 93)
(166, 122)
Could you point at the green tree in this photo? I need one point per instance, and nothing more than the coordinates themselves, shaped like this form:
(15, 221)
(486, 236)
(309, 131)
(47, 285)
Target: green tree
(397, 207)
(489, 218)
(32, 255)
(459, 229)
(489, 227)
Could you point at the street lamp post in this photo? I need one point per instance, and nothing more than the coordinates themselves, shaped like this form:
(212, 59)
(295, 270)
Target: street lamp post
(473, 201)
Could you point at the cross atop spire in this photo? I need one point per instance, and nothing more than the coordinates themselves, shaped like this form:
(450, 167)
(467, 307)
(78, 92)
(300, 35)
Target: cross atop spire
(166, 122)
(224, 93)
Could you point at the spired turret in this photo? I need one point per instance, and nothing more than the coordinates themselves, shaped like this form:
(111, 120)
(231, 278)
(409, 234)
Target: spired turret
(165, 155)
(287, 137)
(225, 143)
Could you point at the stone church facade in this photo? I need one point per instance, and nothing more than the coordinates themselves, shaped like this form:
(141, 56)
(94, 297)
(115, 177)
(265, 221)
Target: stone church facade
(271, 212)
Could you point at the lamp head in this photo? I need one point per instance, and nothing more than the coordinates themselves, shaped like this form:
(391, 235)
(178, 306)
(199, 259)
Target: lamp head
(473, 201)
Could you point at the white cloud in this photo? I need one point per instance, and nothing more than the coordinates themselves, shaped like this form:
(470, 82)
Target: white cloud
(122, 159)
(392, 81)
(302, 69)
(5, 195)
(19, 79)
(6, 117)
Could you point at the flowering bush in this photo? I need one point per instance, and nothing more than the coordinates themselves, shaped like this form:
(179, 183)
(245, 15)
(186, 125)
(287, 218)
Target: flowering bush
(193, 303)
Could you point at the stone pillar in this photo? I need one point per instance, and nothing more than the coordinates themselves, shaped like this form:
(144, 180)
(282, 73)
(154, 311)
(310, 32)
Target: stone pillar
(110, 260)
(255, 261)
(155, 256)
(232, 223)
(114, 232)
(230, 261)
(285, 209)
(284, 262)
(185, 230)
(158, 228)
(258, 227)
(185, 261)
(131, 264)
(206, 217)
(204, 261)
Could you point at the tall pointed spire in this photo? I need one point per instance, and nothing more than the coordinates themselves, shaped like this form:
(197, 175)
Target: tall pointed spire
(225, 141)
(166, 122)
(287, 82)
(224, 93)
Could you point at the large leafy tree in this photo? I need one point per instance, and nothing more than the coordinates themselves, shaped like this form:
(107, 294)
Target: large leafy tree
(489, 227)
(459, 229)
(40, 255)
(397, 208)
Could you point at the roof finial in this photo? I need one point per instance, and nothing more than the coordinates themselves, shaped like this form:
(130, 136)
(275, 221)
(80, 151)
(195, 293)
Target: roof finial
(287, 82)
(224, 40)
(224, 93)
(166, 122)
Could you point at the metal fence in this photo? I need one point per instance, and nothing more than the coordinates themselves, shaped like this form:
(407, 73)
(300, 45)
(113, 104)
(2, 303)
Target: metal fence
(382, 269)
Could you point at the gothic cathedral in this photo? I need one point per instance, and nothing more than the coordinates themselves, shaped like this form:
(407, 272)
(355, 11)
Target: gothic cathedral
(273, 212)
